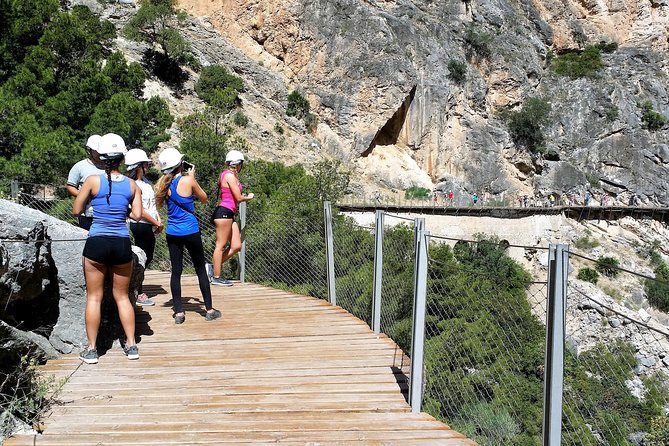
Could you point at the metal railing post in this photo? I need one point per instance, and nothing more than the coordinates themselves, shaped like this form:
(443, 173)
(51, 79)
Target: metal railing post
(558, 269)
(14, 189)
(378, 272)
(329, 252)
(242, 252)
(418, 226)
(418, 332)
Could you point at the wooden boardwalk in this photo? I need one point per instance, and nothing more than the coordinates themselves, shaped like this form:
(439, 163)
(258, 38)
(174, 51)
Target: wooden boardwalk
(279, 368)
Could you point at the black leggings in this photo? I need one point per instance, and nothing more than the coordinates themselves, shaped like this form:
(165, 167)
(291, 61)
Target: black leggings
(145, 239)
(176, 245)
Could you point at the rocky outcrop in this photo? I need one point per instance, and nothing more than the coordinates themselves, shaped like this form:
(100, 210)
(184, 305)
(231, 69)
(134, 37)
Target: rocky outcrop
(42, 289)
(376, 74)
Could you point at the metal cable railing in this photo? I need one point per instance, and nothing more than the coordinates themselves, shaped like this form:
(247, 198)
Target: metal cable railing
(615, 375)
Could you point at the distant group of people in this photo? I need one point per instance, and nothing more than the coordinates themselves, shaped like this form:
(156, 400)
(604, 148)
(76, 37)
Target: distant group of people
(111, 205)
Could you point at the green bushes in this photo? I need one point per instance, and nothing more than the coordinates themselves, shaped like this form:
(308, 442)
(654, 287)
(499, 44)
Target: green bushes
(588, 275)
(650, 119)
(416, 192)
(478, 44)
(585, 63)
(608, 266)
(586, 242)
(457, 71)
(657, 291)
(56, 88)
(298, 106)
(526, 126)
(218, 88)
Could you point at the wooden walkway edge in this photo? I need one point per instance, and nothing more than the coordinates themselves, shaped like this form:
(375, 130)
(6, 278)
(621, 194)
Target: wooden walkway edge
(278, 368)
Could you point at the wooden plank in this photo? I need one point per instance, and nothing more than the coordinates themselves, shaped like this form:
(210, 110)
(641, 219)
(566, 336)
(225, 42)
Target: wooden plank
(278, 368)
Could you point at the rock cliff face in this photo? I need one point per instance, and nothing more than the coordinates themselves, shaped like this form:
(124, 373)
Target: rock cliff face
(376, 75)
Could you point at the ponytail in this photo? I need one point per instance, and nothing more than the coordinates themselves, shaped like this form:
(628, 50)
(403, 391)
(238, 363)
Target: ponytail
(162, 188)
(110, 165)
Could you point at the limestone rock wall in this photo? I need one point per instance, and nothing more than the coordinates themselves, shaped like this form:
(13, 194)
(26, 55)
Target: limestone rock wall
(376, 74)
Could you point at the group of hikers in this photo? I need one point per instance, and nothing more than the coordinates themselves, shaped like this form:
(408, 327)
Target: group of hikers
(111, 205)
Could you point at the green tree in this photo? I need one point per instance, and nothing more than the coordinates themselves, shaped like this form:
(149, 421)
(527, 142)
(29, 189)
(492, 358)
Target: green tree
(331, 182)
(75, 37)
(23, 22)
(216, 77)
(125, 77)
(154, 24)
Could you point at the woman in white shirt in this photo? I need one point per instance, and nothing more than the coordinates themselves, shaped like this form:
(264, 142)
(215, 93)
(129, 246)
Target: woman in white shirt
(144, 230)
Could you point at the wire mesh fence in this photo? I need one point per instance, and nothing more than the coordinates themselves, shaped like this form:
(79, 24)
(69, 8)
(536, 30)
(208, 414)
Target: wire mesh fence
(397, 283)
(286, 252)
(353, 266)
(616, 385)
(484, 348)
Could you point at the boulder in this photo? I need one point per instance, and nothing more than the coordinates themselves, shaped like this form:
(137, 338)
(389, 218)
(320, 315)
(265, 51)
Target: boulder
(42, 284)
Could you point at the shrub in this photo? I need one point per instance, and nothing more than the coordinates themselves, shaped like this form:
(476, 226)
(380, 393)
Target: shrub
(608, 266)
(578, 64)
(659, 432)
(586, 242)
(215, 79)
(240, 119)
(278, 129)
(298, 105)
(657, 291)
(588, 275)
(526, 126)
(477, 44)
(612, 114)
(651, 120)
(607, 47)
(457, 71)
(416, 192)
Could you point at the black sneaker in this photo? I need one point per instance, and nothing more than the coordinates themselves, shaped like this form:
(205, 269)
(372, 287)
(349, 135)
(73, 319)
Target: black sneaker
(132, 352)
(89, 356)
(179, 318)
(212, 315)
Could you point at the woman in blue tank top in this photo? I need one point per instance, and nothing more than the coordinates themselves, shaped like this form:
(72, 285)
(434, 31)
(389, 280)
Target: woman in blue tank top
(107, 248)
(178, 190)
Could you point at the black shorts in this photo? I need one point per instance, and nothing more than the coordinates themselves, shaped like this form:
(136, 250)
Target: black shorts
(108, 250)
(222, 213)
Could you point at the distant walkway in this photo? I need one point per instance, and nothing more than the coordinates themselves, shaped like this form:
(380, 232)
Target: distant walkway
(279, 368)
(575, 212)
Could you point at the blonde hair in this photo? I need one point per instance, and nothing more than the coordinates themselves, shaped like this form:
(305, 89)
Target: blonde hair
(162, 187)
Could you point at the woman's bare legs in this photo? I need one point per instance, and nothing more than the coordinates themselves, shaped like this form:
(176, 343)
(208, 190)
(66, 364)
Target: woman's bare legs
(223, 237)
(95, 277)
(235, 243)
(126, 312)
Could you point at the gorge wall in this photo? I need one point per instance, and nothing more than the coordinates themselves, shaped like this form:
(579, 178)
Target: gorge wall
(376, 75)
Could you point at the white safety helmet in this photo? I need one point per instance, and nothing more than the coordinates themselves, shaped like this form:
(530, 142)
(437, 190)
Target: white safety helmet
(93, 141)
(135, 157)
(169, 159)
(234, 157)
(111, 146)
